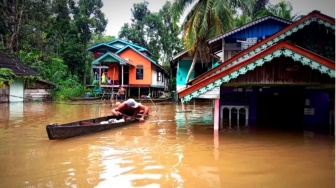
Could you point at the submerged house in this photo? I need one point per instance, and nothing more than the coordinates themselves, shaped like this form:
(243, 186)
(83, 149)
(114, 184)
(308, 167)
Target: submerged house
(235, 41)
(119, 62)
(284, 73)
(181, 64)
(20, 90)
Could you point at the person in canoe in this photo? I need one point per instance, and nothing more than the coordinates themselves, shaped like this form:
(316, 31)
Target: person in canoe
(130, 108)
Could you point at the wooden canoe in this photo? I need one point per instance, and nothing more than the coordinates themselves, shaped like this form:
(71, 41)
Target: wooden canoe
(88, 126)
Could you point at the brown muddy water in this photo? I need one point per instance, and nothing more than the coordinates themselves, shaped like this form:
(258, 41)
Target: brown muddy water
(171, 149)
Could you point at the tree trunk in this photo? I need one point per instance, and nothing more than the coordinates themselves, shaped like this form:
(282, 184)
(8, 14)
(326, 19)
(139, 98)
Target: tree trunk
(192, 67)
(85, 73)
(85, 61)
(15, 22)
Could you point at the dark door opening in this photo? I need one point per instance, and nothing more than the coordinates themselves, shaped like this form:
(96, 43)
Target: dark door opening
(281, 109)
(125, 75)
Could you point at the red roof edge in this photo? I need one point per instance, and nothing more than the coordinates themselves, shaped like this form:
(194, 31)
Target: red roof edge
(314, 13)
(245, 62)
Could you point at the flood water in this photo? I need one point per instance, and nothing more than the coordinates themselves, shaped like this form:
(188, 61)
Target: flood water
(171, 149)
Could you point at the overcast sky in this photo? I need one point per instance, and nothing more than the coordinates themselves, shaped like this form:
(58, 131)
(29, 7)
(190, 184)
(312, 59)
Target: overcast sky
(118, 12)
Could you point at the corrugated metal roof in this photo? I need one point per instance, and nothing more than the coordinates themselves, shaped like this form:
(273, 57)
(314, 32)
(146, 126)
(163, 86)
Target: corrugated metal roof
(19, 69)
(249, 25)
(121, 60)
(221, 71)
(139, 48)
(179, 55)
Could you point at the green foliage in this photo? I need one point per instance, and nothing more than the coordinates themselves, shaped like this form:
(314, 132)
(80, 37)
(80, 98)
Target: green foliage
(88, 19)
(206, 19)
(39, 31)
(6, 77)
(22, 24)
(98, 38)
(136, 31)
(154, 31)
(172, 84)
(242, 20)
(282, 9)
(68, 88)
(95, 83)
(52, 68)
(55, 71)
(260, 5)
(71, 51)
(170, 42)
(30, 79)
(158, 32)
(32, 59)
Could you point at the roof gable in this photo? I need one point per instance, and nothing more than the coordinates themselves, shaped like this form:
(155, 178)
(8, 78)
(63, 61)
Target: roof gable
(258, 29)
(143, 55)
(269, 21)
(118, 43)
(268, 24)
(13, 63)
(180, 55)
(102, 46)
(110, 58)
(314, 16)
(325, 66)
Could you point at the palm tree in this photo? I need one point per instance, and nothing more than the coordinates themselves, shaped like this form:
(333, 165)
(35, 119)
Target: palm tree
(283, 9)
(205, 20)
(242, 19)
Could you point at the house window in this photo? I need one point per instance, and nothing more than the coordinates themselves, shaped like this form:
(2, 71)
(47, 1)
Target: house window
(159, 76)
(139, 72)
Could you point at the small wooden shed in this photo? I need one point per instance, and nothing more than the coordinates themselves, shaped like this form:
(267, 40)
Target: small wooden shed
(20, 91)
(41, 90)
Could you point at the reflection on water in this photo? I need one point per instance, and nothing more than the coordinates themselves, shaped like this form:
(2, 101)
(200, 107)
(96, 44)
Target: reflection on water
(171, 149)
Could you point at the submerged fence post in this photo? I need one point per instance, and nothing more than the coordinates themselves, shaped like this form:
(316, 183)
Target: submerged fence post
(216, 114)
(216, 145)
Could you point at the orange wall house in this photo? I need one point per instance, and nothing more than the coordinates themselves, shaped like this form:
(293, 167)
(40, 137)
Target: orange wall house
(129, 65)
(137, 59)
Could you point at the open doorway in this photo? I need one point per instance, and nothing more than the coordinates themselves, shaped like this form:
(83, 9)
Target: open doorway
(125, 75)
(281, 108)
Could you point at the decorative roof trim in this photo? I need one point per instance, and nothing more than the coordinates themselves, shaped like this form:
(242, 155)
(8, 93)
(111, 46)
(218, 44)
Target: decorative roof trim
(275, 40)
(312, 17)
(240, 68)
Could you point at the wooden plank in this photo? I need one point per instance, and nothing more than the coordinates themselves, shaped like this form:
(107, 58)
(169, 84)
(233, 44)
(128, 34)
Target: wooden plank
(4, 95)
